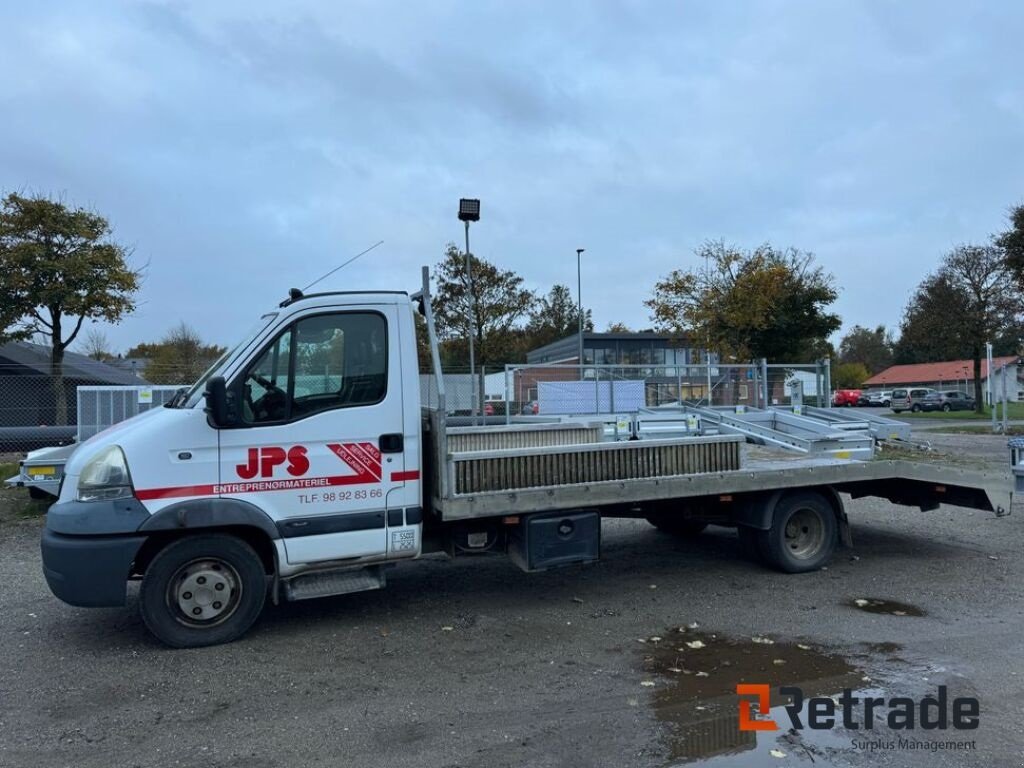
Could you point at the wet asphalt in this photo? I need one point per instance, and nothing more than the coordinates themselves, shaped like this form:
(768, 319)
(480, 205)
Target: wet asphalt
(474, 663)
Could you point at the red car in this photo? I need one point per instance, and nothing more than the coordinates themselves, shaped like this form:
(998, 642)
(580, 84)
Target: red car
(847, 397)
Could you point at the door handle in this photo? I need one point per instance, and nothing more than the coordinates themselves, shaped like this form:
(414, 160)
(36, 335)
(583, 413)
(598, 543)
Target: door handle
(391, 443)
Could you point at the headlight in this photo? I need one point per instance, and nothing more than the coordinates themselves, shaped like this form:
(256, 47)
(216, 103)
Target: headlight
(105, 476)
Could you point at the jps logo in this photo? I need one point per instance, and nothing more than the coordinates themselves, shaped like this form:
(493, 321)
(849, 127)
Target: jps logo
(262, 461)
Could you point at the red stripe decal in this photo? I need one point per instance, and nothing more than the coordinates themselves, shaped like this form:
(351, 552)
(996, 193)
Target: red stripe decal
(412, 474)
(149, 494)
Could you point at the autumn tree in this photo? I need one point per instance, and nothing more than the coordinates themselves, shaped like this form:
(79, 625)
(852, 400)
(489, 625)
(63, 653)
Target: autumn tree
(60, 267)
(501, 307)
(617, 327)
(849, 375)
(750, 304)
(871, 347)
(971, 299)
(931, 329)
(180, 357)
(554, 317)
(1012, 243)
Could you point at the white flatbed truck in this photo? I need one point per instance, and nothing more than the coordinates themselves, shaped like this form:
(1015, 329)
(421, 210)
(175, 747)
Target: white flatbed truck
(302, 464)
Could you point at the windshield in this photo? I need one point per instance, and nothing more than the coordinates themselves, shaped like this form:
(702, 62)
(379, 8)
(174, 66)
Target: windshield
(196, 390)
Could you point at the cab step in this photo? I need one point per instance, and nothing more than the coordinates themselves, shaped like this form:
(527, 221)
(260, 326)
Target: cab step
(326, 583)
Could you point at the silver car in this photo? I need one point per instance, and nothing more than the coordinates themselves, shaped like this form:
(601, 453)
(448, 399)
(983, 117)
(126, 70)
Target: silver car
(909, 399)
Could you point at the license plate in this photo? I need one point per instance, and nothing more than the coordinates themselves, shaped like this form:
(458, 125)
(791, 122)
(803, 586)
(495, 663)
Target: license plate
(41, 471)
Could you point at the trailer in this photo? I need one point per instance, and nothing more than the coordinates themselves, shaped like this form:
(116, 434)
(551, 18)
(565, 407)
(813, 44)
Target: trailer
(42, 470)
(303, 464)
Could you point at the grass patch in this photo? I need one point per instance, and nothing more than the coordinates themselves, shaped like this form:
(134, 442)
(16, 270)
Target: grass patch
(1014, 411)
(8, 469)
(976, 429)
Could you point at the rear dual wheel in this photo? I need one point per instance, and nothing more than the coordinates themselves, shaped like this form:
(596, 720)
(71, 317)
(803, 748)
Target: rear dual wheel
(803, 535)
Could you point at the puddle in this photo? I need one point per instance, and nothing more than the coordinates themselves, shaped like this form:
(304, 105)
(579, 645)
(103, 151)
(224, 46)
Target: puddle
(696, 674)
(886, 607)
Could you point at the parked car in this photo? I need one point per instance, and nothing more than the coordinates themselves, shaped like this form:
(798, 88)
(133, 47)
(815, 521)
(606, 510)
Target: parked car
(909, 399)
(847, 397)
(881, 399)
(950, 400)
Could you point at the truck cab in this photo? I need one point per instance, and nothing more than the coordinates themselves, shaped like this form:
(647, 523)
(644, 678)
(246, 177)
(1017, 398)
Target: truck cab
(305, 463)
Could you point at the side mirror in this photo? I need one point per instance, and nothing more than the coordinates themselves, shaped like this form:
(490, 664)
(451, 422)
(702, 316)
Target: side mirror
(217, 401)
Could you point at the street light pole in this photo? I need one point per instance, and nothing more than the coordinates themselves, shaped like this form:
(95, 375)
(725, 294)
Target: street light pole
(579, 303)
(472, 328)
(469, 210)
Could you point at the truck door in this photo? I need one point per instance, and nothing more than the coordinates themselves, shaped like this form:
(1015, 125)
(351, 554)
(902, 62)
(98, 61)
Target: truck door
(320, 441)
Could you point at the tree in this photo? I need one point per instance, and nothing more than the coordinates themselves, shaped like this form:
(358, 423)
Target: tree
(180, 357)
(501, 304)
(60, 267)
(971, 299)
(618, 328)
(993, 299)
(871, 348)
(750, 304)
(96, 345)
(1012, 243)
(931, 329)
(849, 375)
(554, 317)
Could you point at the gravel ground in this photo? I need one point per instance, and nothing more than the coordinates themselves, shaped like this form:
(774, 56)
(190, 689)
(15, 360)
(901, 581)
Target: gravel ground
(473, 663)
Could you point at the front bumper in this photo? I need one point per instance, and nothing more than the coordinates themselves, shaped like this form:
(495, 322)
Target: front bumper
(89, 571)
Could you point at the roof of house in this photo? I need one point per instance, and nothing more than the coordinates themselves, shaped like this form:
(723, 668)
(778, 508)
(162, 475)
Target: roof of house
(926, 373)
(36, 357)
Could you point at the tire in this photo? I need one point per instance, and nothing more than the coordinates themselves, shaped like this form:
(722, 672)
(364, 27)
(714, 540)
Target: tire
(946, 408)
(803, 535)
(886, 403)
(167, 605)
(897, 410)
(676, 525)
(915, 408)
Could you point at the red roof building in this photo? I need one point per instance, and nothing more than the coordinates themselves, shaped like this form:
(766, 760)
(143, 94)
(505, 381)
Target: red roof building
(952, 374)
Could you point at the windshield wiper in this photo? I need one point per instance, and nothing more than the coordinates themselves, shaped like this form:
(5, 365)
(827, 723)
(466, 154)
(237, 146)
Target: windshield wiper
(178, 399)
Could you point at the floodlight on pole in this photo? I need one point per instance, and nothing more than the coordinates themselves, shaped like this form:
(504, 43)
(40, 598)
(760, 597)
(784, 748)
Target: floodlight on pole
(469, 210)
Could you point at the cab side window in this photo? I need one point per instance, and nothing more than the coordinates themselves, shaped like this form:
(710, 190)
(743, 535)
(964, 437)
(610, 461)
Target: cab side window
(318, 363)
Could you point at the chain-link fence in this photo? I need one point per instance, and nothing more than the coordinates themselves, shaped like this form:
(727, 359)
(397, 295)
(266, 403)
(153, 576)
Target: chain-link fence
(101, 407)
(594, 389)
(484, 393)
(553, 389)
(30, 416)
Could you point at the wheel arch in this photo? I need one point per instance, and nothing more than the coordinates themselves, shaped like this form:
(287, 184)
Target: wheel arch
(229, 516)
(758, 511)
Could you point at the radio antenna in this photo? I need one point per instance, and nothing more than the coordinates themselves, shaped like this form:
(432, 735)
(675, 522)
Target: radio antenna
(343, 264)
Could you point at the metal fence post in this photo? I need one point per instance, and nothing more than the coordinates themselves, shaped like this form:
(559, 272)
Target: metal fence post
(597, 389)
(764, 382)
(508, 399)
(1003, 377)
(828, 382)
(480, 399)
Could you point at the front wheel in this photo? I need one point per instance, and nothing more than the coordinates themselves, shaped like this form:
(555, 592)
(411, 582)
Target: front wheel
(915, 408)
(803, 535)
(203, 590)
(946, 408)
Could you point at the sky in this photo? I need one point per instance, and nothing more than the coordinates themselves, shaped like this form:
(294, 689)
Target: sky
(242, 148)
